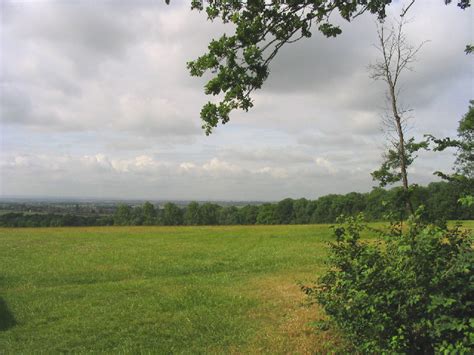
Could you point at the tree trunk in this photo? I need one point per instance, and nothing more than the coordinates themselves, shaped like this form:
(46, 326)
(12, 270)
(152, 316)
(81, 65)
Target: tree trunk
(401, 148)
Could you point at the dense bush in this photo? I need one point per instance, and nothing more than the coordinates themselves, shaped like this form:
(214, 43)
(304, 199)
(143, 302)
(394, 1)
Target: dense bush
(410, 291)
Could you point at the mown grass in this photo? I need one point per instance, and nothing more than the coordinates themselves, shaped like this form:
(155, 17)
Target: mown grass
(161, 289)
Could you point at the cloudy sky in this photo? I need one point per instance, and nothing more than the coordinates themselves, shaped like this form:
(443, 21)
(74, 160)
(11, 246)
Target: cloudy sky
(96, 101)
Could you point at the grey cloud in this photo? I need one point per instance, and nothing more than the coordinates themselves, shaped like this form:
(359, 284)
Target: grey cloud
(96, 100)
(118, 54)
(281, 156)
(335, 70)
(14, 105)
(84, 32)
(346, 139)
(321, 63)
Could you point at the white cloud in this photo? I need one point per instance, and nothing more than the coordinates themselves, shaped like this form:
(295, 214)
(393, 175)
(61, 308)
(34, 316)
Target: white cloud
(218, 166)
(186, 166)
(278, 173)
(326, 164)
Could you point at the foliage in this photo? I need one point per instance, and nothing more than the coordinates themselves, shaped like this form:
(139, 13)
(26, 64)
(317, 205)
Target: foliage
(240, 62)
(192, 216)
(284, 211)
(300, 211)
(464, 165)
(440, 199)
(465, 155)
(248, 214)
(267, 214)
(228, 216)
(209, 213)
(16, 219)
(123, 215)
(463, 178)
(389, 172)
(137, 216)
(467, 200)
(410, 292)
(149, 214)
(172, 215)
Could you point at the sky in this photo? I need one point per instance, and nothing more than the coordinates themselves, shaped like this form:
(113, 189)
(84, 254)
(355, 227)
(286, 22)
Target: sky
(96, 101)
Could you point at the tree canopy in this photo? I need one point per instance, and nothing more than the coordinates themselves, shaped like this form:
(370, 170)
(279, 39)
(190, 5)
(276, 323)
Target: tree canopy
(464, 164)
(240, 62)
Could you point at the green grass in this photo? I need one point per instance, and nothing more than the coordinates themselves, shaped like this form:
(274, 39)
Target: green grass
(161, 289)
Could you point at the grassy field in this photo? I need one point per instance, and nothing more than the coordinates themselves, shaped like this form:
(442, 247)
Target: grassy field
(161, 289)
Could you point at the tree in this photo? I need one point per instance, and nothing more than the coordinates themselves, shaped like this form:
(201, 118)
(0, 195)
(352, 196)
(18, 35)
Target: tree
(149, 214)
(172, 215)
(240, 62)
(284, 211)
(465, 156)
(228, 216)
(192, 216)
(209, 213)
(397, 56)
(464, 164)
(300, 210)
(354, 203)
(123, 215)
(248, 214)
(137, 216)
(324, 211)
(267, 214)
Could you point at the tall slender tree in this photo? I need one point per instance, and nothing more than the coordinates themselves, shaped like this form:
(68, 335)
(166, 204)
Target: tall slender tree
(396, 57)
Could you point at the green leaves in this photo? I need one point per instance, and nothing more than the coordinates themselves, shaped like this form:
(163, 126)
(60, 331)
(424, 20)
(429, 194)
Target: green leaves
(238, 69)
(464, 164)
(329, 30)
(409, 294)
(240, 62)
(212, 113)
(390, 170)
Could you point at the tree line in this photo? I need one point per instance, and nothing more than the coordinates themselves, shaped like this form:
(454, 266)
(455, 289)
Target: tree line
(439, 198)
(21, 219)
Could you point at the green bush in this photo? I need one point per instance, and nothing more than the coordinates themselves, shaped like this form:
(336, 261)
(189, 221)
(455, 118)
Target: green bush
(410, 291)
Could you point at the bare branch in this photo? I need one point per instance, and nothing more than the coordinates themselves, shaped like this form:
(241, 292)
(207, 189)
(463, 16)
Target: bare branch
(404, 11)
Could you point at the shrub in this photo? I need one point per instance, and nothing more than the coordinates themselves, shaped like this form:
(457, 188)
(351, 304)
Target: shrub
(409, 291)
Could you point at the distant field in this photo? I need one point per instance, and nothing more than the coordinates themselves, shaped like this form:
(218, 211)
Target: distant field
(161, 289)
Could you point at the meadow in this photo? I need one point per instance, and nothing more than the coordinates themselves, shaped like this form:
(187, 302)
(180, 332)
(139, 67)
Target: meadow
(162, 289)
